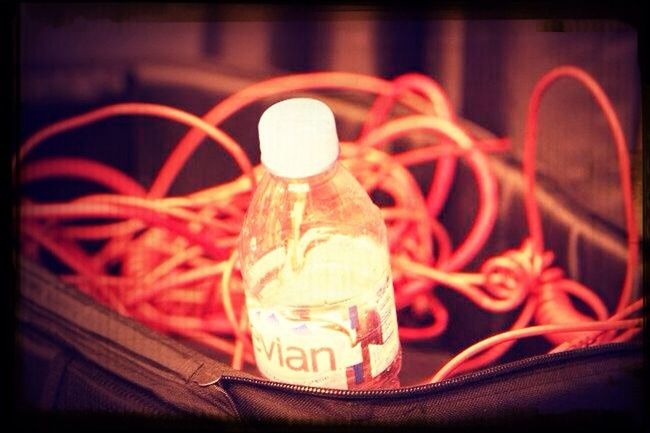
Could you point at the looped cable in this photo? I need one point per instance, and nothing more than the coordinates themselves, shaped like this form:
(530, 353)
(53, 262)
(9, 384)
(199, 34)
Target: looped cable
(519, 272)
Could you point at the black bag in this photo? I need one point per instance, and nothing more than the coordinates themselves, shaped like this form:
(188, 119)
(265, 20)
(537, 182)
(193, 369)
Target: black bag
(83, 358)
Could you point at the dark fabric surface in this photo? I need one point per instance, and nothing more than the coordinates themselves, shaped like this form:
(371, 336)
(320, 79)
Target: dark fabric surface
(608, 382)
(109, 362)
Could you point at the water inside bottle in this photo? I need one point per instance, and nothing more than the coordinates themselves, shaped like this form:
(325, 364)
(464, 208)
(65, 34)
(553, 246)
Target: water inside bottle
(294, 256)
(331, 329)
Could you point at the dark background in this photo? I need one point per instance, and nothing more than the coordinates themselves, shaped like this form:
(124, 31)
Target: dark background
(74, 57)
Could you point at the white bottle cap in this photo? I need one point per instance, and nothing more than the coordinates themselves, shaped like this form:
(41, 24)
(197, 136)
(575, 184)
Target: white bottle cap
(298, 138)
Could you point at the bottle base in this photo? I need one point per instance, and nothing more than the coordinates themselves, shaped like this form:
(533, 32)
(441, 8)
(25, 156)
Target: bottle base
(388, 379)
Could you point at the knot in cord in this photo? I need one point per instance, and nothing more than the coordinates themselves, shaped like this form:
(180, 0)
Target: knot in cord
(516, 270)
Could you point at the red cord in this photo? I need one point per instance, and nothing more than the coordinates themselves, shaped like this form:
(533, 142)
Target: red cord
(177, 270)
(530, 134)
(84, 169)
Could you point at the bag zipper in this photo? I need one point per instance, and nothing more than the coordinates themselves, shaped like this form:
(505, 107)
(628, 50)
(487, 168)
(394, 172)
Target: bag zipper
(495, 371)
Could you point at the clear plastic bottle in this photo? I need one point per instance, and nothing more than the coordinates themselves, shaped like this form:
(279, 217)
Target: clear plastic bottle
(315, 261)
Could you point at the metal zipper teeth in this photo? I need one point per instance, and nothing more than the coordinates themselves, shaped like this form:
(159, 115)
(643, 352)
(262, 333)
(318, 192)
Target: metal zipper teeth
(454, 381)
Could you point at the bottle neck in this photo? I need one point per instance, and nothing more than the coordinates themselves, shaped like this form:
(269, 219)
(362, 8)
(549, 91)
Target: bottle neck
(316, 179)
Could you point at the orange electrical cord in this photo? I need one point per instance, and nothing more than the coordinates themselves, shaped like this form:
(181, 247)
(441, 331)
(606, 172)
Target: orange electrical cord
(170, 262)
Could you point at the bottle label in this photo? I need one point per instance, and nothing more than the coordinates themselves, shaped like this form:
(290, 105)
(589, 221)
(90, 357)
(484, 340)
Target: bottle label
(343, 347)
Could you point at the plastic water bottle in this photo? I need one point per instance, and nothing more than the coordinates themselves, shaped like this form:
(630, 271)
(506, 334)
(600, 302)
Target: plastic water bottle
(315, 261)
